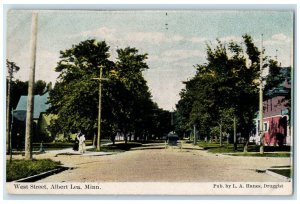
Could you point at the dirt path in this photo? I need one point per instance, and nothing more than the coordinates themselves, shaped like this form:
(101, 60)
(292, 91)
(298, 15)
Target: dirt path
(171, 165)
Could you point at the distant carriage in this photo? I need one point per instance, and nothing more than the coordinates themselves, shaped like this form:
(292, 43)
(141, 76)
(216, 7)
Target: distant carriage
(172, 139)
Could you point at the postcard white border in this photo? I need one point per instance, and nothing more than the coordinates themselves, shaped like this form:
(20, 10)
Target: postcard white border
(28, 4)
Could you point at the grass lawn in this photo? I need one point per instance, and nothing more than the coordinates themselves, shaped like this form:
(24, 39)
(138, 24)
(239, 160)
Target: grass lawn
(252, 149)
(283, 172)
(119, 147)
(18, 169)
(251, 154)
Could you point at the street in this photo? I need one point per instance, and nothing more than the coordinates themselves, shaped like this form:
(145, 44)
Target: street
(164, 165)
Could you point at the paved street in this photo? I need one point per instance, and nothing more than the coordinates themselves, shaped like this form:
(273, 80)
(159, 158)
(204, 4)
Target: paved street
(172, 165)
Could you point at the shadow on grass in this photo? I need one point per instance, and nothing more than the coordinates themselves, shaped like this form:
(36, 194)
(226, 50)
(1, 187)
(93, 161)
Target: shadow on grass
(119, 147)
(283, 172)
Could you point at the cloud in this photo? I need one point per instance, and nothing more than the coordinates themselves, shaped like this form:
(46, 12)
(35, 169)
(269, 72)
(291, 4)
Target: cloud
(196, 39)
(102, 32)
(153, 37)
(45, 64)
(177, 38)
(278, 39)
(231, 38)
(175, 55)
(113, 35)
(152, 58)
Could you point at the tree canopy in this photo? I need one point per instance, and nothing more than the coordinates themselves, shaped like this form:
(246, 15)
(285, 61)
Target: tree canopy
(223, 88)
(127, 105)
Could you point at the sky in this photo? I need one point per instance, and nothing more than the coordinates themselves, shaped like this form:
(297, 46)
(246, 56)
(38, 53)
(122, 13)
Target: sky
(172, 52)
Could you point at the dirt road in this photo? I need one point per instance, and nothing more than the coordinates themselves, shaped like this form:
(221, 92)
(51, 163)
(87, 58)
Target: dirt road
(166, 165)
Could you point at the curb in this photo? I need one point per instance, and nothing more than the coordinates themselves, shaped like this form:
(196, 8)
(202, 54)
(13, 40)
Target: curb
(42, 175)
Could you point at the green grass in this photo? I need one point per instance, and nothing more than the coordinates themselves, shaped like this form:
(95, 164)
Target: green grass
(250, 154)
(17, 169)
(283, 172)
(216, 148)
(119, 147)
(252, 149)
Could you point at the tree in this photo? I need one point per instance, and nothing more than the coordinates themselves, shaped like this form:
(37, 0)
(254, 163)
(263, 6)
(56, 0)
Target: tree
(135, 108)
(20, 88)
(127, 106)
(223, 88)
(74, 98)
(11, 68)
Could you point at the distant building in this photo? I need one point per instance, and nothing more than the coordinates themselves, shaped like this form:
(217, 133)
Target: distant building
(276, 114)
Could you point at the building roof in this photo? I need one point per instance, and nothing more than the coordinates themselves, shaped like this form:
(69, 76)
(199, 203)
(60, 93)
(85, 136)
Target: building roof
(20, 115)
(40, 104)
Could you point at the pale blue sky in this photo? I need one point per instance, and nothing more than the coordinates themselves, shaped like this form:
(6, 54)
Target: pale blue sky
(172, 52)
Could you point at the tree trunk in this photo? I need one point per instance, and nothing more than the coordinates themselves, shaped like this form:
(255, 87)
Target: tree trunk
(125, 137)
(94, 140)
(8, 114)
(136, 132)
(220, 135)
(30, 98)
(246, 147)
(234, 134)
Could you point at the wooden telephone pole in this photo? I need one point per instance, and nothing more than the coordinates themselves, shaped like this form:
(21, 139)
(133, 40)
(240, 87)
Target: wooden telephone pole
(99, 111)
(30, 98)
(261, 128)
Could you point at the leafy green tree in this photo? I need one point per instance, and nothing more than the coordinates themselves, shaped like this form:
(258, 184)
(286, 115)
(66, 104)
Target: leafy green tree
(20, 88)
(135, 108)
(74, 98)
(223, 88)
(127, 106)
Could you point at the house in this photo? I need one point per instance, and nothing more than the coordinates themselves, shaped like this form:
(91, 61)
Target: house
(40, 119)
(276, 114)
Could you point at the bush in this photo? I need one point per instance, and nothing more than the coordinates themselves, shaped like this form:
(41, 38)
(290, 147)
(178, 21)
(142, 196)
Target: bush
(17, 169)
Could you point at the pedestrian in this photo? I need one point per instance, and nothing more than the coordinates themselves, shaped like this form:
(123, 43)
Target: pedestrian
(81, 139)
(76, 144)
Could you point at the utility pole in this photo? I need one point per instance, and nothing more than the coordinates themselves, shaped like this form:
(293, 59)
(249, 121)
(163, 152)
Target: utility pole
(30, 98)
(261, 128)
(99, 111)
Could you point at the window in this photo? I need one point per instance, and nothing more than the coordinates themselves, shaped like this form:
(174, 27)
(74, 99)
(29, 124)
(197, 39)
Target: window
(266, 126)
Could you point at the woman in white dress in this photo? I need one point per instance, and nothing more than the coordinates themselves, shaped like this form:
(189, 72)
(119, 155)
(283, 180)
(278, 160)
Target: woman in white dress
(81, 139)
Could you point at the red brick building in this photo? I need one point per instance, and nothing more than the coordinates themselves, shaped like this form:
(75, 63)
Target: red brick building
(276, 116)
